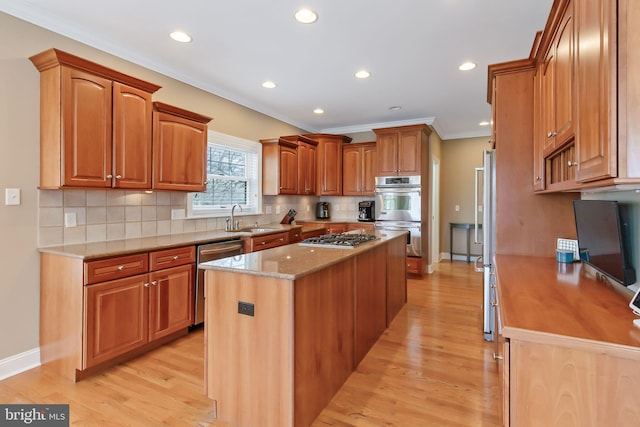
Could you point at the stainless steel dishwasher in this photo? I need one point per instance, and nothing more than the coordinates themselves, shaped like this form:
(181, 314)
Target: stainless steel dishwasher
(210, 252)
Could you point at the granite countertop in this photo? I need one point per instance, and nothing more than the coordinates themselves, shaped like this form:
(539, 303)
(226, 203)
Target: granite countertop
(295, 260)
(95, 250)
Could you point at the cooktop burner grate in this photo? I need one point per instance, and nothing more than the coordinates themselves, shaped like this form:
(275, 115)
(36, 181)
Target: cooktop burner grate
(348, 240)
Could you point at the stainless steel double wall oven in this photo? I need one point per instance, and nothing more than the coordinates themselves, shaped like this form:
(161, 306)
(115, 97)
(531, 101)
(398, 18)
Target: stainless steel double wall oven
(399, 207)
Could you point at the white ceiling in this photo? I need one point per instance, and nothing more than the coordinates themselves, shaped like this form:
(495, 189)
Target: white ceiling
(411, 47)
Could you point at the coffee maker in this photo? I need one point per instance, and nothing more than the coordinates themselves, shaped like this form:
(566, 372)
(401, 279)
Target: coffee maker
(322, 210)
(366, 211)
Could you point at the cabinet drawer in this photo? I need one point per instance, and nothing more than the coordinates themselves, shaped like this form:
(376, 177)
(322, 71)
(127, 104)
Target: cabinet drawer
(115, 268)
(172, 257)
(314, 233)
(414, 265)
(269, 241)
(295, 235)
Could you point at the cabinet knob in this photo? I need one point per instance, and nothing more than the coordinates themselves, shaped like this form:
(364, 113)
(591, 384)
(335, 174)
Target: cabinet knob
(146, 285)
(175, 257)
(121, 267)
(494, 304)
(551, 134)
(570, 163)
(109, 176)
(154, 283)
(538, 178)
(497, 356)
(118, 176)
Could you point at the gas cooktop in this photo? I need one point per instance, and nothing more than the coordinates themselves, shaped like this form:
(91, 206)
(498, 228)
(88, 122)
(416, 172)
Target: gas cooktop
(342, 240)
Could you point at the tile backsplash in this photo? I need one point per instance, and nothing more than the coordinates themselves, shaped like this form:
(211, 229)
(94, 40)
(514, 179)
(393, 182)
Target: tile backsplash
(102, 215)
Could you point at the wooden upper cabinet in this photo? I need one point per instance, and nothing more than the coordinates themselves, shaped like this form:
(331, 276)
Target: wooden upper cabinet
(95, 124)
(279, 166)
(597, 147)
(179, 149)
(539, 138)
(329, 165)
(558, 85)
(307, 166)
(402, 150)
(359, 165)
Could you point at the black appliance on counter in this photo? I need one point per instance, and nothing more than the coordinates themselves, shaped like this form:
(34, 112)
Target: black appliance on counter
(322, 210)
(367, 211)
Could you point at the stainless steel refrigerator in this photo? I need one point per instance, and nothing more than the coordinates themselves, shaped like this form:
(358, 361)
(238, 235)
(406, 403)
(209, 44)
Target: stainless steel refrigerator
(486, 228)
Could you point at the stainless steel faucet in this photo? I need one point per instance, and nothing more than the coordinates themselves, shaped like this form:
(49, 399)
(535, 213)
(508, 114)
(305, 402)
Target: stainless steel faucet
(235, 224)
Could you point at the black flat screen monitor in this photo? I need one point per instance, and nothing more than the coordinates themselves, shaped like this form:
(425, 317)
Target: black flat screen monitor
(601, 238)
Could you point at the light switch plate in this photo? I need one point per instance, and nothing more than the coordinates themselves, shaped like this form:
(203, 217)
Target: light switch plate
(11, 196)
(70, 220)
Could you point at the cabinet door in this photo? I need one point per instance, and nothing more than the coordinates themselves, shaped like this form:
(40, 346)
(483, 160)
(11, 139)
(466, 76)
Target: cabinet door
(596, 147)
(132, 119)
(548, 102)
(538, 133)
(87, 114)
(288, 170)
(351, 170)
(179, 153)
(564, 79)
(170, 300)
(409, 152)
(387, 145)
(307, 159)
(116, 318)
(330, 167)
(369, 164)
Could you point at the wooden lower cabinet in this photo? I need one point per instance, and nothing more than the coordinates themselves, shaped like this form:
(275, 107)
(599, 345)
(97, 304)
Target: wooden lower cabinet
(414, 265)
(267, 241)
(117, 320)
(87, 325)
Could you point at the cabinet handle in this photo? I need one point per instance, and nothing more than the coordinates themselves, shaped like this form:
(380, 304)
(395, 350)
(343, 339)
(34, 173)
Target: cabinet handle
(121, 267)
(146, 285)
(497, 356)
(154, 282)
(551, 134)
(109, 176)
(175, 257)
(570, 163)
(118, 176)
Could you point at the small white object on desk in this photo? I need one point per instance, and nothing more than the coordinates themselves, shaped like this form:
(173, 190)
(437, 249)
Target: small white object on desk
(636, 323)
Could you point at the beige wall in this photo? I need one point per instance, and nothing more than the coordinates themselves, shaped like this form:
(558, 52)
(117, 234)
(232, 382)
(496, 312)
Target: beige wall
(19, 153)
(460, 157)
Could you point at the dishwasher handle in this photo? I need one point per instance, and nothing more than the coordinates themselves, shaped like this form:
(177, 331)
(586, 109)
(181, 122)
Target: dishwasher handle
(217, 248)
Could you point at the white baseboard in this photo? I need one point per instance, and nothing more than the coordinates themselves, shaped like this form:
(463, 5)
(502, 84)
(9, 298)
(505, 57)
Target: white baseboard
(446, 256)
(18, 363)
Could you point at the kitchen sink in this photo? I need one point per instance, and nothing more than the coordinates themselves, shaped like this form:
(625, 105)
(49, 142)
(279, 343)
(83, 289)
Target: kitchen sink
(253, 230)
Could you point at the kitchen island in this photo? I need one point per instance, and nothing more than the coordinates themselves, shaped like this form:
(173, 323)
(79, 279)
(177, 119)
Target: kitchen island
(285, 327)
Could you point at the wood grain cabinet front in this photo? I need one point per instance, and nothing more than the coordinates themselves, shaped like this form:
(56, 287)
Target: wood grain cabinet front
(359, 166)
(179, 149)
(279, 166)
(267, 241)
(402, 150)
(95, 124)
(96, 313)
(329, 168)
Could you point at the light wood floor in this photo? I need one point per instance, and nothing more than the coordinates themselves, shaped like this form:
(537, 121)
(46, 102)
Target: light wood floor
(430, 368)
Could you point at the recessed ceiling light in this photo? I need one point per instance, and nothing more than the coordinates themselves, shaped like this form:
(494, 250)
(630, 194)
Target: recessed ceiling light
(363, 74)
(269, 84)
(306, 16)
(484, 123)
(467, 66)
(318, 111)
(395, 108)
(180, 36)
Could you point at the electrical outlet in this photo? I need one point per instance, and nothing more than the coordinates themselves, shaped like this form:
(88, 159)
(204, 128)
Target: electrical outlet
(457, 208)
(177, 214)
(479, 208)
(308, 208)
(277, 209)
(246, 308)
(70, 219)
(268, 209)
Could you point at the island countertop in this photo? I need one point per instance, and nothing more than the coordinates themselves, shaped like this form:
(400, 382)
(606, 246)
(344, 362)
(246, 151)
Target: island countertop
(295, 260)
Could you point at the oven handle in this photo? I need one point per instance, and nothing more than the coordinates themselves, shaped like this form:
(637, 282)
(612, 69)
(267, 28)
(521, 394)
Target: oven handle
(397, 227)
(475, 192)
(397, 191)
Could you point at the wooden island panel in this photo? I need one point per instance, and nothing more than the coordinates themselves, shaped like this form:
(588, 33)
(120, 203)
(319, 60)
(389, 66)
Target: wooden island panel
(317, 312)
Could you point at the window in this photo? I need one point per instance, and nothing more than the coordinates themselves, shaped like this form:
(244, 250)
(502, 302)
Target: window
(233, 177)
